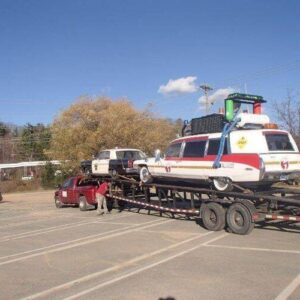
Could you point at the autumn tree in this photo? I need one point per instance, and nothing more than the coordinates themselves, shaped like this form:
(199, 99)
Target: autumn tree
(90, 125)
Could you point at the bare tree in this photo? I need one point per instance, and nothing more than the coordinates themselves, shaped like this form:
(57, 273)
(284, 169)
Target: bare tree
(288, 115)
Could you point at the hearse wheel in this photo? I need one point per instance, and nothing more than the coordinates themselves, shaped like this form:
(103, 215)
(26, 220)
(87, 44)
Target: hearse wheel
(82, 203)
(239, 219)
(58, 203)
(145, 175)
(213, 216)
(222, 184)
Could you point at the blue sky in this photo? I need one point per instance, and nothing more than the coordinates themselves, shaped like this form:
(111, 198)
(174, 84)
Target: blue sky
(52, 52)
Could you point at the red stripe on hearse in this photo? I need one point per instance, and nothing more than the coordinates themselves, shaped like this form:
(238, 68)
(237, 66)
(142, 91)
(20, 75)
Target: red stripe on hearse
(250, 159)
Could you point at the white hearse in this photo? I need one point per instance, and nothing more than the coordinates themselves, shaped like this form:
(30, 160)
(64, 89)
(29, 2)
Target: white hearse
(248, 151)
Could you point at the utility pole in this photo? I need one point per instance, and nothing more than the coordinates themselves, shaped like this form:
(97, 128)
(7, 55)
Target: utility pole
(206, 88)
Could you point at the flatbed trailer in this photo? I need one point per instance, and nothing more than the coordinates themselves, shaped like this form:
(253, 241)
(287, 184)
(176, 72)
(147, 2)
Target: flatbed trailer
(236, 211)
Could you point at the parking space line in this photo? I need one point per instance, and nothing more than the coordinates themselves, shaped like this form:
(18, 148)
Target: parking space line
(55, 228)
(62, 243)
(41, 231)
(32, 220)
(255, 249)
(288, 291)
(142, 269)
(114, 268)
(171, 232)
(90, 239)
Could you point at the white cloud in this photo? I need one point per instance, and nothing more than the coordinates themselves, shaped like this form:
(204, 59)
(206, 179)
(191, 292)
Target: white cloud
(219, 94)
(184, 85)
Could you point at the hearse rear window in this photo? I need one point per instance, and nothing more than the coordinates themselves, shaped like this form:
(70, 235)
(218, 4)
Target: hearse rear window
(279, 142)
(214, 145)
(173, 150)
(194, 149)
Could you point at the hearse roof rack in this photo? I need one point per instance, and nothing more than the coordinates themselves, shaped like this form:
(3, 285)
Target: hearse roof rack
(246, 98)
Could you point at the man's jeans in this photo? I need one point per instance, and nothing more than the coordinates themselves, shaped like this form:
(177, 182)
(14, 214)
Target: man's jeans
(101, 200)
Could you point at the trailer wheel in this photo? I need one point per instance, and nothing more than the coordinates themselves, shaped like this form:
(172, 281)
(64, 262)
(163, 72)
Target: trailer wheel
(58, 203)
(82, 203)
(213, 216)
(239, 219)
(222, 184)
(145, 175)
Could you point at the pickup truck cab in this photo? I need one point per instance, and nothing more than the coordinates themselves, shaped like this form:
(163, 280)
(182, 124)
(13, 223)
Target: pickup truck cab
(77, 191)
(113, 162)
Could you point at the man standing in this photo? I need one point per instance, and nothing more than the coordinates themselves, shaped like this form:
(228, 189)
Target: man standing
(101, 198)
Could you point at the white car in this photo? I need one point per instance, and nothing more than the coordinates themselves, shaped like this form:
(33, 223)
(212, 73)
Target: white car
(116, 161)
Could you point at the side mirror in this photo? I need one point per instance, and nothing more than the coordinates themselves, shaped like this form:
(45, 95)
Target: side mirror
(58, 186)
(157, 155)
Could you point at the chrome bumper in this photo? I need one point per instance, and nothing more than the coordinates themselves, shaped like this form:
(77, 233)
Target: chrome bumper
(281, 176)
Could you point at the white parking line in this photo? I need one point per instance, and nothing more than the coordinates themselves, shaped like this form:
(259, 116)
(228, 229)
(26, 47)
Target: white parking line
(32, 220)
(55, 228)
(114, 268)
(255, 249)
(91, 239)
(41, 231)
(142, 269)
(289, 289)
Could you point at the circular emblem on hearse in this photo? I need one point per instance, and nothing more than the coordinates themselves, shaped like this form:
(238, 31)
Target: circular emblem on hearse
(284, 164)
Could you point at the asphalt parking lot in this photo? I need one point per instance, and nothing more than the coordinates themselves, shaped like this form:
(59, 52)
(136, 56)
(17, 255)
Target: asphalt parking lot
(50, 253)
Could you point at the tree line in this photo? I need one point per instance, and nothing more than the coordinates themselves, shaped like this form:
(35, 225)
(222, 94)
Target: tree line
(86, 127)
(92, 124)
(23, 143)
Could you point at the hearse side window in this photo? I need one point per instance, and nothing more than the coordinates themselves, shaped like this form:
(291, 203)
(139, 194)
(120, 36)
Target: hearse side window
(173, 150)
(213, 147)
(103, 155)
(279, 142)
(194, 149)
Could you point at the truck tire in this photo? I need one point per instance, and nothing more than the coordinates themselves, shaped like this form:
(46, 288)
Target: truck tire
(239, 219)
(145, 175)
(57, 202)
(222, 184)
(213, 216)
(82, 203)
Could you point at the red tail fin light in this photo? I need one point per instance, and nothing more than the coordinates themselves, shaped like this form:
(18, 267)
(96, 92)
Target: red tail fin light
(270, 126)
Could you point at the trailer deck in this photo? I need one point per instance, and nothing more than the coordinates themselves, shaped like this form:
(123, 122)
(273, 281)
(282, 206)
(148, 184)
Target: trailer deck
(237, 211)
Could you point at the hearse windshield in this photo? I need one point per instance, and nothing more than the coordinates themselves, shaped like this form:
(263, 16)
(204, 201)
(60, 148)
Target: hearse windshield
(173, 150)
(132, 155)
(279, 142)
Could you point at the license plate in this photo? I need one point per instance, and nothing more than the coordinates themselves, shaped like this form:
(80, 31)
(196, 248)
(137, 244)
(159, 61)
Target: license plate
(283, 177)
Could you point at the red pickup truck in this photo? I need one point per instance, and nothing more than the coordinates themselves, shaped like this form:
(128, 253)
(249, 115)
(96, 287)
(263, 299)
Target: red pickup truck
(77, 191)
